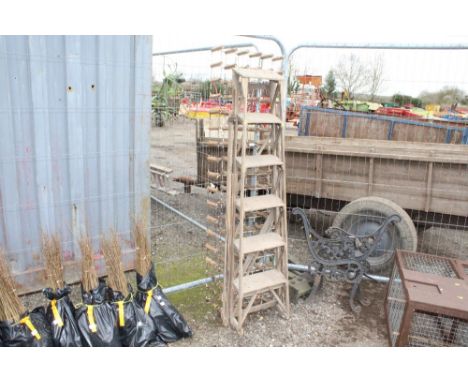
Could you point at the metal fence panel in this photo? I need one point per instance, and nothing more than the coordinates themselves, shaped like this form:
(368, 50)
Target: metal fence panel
(75, 117)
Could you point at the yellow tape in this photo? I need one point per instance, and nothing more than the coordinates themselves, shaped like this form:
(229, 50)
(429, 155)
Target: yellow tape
(57, 319)
(120, 304)
(149, 296)
(27, 321)
(92, 323)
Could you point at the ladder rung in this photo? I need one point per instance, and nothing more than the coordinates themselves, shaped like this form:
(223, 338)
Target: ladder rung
(257, 243)
(210, 248)
(212, 204)
(266, 56)
(261, 282)
(211, 233)
(232, 66)
(212, 219)
(258, 74)
(216, 64)
(277, 58)
(217, 48)
(255, 54)
(213, 175)
(243, 52)
(252, 161)
(262, 202)
(230, 51)
(213, 159)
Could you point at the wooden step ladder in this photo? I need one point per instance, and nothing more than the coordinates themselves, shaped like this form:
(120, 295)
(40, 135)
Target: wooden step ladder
(256, 252)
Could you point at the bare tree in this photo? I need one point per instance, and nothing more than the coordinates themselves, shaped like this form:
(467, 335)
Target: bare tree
(351, 75)
(376, 72)
(448, 95)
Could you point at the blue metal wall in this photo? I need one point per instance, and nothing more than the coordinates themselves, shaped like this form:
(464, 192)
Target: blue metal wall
(75, 115)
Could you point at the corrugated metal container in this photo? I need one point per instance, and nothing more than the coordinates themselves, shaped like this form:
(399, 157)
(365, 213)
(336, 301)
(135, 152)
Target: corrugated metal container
(75, 115)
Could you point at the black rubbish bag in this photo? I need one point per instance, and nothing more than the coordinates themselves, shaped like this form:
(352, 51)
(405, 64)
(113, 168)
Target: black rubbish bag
(60, 314)
(33, 330)
(170, 324)
(136, 328)
(97, 320)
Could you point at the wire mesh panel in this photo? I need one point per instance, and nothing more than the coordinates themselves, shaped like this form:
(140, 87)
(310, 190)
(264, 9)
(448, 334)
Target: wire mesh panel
(381, 132)
(396, 303)
(429, 264)
(189, 147)
(428, 329)
(348, 164)
(427, 301)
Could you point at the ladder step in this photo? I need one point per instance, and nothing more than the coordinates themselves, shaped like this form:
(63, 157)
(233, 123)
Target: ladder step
(262, 202)
(261, 282)
(252, 161)
(257, 118)
(258, 74)
(262, 242)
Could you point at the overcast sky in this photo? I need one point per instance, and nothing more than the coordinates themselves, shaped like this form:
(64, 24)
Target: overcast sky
(405, 71)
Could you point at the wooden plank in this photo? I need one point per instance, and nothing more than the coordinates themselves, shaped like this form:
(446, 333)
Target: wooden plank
(259, 243)
(260, 282)
(440, 153)
(262, 202)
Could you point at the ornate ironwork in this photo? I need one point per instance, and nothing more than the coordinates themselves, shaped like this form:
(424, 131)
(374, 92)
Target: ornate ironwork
(342, 256)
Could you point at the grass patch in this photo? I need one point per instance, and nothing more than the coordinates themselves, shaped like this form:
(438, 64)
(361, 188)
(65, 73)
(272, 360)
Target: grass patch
(200, 303)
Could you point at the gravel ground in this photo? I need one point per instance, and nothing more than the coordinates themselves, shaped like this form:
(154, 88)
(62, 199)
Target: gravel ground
(325, 321)
(178, 248)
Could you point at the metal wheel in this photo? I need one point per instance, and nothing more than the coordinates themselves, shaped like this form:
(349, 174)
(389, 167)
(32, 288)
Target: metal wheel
(363, 216)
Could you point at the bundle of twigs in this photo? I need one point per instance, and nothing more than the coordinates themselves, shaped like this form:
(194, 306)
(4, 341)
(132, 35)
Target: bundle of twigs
(89, 278)
(143, 249)
(113, 256)
(11, 306)
(52, 253)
